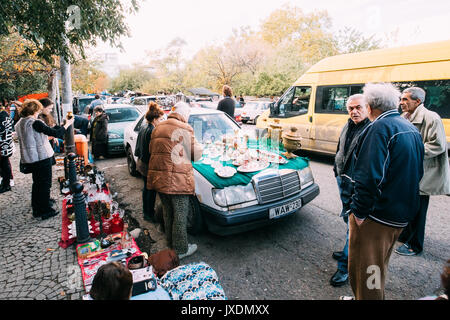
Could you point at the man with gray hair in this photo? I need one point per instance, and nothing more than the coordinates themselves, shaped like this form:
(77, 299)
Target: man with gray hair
(358, 121)
(436, 176)
(387, 168)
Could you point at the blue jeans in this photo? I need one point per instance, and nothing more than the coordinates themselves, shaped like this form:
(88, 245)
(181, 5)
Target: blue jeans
(342, 264)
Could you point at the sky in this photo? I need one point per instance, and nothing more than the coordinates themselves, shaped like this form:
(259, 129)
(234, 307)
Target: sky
(203, 22)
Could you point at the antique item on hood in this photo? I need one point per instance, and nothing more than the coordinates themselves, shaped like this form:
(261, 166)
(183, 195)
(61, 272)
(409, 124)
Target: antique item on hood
(291, 142)
(253, 166)
(275, 131)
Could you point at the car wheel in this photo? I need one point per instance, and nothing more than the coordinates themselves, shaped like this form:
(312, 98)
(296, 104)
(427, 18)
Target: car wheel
(195, 223)
(131, 164)
(244, 121)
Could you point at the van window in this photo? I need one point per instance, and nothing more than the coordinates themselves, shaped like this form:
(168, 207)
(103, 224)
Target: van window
(293, 103)
(437, 97)
(333, 99)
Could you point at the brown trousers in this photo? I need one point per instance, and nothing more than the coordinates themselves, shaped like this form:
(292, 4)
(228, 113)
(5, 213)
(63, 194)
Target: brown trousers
(369, 249)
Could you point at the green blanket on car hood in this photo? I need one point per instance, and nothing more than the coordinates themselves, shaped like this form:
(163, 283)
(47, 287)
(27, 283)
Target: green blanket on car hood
(241, 178)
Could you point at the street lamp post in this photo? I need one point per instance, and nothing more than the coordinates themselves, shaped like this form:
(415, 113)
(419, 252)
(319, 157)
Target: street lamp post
(69, 143)
(78, 202)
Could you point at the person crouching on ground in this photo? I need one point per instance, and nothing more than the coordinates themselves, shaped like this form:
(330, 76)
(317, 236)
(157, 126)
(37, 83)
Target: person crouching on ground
(173, 146)
(37, 153)
(99, 133)
(112, 282)
(153, 116)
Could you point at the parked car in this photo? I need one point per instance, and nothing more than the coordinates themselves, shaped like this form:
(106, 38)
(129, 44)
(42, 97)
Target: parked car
(143, 101)
(80, 103)
(271, 194)
(120, 116)
(205, 104)
(252, 110)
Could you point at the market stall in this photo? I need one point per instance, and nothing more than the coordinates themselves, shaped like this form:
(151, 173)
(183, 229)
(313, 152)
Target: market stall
(103, 213)
(112, 241)
(235, 159)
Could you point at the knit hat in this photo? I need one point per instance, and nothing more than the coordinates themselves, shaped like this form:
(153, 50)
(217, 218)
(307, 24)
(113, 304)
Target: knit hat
(183, 109)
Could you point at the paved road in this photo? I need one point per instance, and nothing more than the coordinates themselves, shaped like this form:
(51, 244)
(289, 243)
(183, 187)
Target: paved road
(292, 259)
(289, 260)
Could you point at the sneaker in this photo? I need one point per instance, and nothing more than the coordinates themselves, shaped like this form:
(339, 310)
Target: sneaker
(191, 249)
(405, 250)
(346, 298)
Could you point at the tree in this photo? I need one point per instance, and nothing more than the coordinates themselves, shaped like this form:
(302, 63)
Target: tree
(130, 79)
(168, 67)
(20, 72)
(86, 78)
(349, 40)
(50, 25)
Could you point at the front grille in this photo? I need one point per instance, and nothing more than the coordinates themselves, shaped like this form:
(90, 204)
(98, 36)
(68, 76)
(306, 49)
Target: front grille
(277, 187)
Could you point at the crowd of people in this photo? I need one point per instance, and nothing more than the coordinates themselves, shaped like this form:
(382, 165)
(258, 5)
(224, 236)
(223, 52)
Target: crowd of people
(380, 152)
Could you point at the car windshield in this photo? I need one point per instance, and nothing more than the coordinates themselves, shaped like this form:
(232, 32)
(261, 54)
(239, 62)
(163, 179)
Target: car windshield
(211, 126)
(83, 102)
(122, 114)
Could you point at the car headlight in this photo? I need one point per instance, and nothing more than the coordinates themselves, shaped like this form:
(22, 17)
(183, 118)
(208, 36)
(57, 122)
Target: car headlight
(306, 177)
(114, 136)
(233, 195)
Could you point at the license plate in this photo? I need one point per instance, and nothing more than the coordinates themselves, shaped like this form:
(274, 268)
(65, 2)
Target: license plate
(285, 209)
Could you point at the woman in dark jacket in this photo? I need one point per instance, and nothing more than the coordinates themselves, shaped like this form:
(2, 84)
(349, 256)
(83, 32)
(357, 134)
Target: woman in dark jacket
(47, 117)
(37, 154)
(153, 116)
(99, 133)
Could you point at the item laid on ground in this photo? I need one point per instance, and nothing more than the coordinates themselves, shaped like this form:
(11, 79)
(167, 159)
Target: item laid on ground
(164, 261)
(103, 213)
(195, 281)
(92, 256)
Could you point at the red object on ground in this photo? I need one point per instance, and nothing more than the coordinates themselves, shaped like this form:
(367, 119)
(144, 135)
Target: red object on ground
(65, 241)
(90, 266)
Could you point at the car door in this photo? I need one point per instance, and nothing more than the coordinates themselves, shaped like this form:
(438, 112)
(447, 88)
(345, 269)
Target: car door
(330, 116)
(295, 110)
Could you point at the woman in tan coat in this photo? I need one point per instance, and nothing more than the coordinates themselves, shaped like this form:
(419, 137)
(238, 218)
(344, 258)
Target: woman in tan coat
(173, 146)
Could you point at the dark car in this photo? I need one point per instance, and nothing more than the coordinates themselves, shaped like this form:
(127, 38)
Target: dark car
(120, 116)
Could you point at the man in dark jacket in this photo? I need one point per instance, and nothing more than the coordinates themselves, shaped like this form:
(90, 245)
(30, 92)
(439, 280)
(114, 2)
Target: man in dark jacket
(358, 121)
(227, 104)
(388, 166)
(99, 133)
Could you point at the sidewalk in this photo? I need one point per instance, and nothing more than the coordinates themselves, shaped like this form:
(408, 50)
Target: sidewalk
(32, 265)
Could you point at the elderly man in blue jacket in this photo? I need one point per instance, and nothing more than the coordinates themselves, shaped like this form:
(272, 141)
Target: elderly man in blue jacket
(388, 166)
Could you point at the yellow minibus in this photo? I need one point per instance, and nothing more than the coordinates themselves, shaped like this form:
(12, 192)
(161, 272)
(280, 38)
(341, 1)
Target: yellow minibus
(316, 102)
